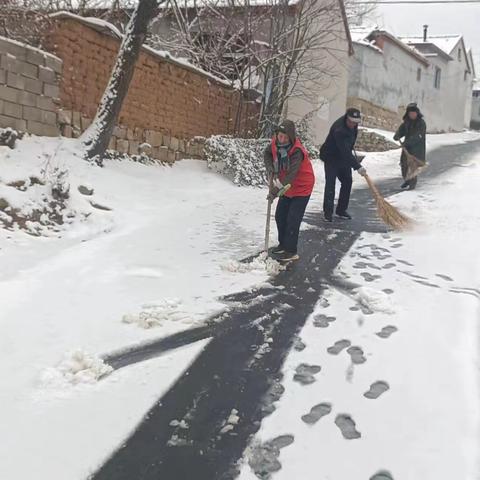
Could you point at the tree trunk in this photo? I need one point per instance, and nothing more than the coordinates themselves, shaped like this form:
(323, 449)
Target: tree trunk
(97, 137)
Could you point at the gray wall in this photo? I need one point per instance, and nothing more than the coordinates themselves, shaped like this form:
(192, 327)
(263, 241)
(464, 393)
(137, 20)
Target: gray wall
(29, 88)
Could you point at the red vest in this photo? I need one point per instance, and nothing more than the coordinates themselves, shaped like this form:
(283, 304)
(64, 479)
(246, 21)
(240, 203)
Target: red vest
(302, 185)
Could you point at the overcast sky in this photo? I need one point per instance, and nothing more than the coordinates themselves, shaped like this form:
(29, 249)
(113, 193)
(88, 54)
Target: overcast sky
(442, 19)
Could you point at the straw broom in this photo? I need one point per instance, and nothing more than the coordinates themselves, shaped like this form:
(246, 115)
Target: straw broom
(414, 164)
(387, 212)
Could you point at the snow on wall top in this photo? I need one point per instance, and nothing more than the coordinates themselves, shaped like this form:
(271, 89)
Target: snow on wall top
(29, 47)
(228, 3)
(107, 28)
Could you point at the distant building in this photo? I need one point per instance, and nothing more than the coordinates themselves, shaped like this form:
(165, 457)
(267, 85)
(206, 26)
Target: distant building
(475, 117)
(388, 72)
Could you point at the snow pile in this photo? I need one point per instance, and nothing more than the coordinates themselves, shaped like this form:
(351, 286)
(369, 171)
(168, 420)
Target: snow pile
(374, 300)
(39, 197)
(261, 264)
(155, 313)
(77, 367)
(239, 159)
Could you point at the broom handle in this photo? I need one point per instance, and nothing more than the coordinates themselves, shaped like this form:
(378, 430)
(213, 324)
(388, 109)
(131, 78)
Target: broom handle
(372, 186)
(269, 214)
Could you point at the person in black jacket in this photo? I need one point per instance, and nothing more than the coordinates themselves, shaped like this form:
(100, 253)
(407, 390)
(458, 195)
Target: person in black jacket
(414, 130)
(339, 159)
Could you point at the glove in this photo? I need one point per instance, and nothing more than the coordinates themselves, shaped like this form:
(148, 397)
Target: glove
(396, 138)
(360, 158)
(277, 183)
(362, 171)
(272, 195)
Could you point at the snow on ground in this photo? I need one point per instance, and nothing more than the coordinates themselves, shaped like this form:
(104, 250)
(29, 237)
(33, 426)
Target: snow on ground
(397, 389)
(155, 260)
(159, 258)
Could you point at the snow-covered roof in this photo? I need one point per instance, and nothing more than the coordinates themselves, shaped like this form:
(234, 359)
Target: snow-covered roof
(360, 36)
(445, 43)
(107, 28)
(360, 33)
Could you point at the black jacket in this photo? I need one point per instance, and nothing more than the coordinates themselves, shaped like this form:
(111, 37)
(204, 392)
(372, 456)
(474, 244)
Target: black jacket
(339, 144)
(414, 132)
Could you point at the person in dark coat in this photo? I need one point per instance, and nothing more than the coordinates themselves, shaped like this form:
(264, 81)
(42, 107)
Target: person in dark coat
(339, 159)
(413, 129)
(288, 165)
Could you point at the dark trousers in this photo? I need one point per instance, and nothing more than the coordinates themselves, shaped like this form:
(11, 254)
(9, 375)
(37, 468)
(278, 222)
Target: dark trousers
(404, 166)
(289, 215)
(344, 174)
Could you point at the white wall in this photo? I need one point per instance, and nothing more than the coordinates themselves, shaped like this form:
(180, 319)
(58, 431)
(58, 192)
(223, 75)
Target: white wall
(326, 100)
(388, 79)
(476, 110)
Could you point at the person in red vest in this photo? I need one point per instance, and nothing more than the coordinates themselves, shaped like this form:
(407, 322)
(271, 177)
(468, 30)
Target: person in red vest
(288, 164)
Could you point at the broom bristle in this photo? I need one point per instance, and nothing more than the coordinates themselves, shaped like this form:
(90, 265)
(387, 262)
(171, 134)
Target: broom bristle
(390, 215)
(414, 165)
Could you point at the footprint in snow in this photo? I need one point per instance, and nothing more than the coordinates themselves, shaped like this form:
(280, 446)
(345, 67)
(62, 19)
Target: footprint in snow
(376, 389)
(316, 413)
(388, 291)
(368, 277)
(298, 344)
(382, 475)
(338, 346)
(347, 427)
(263, 458)
(322, 321)
(397, 245)
(387, 331)
(389, 265)
(356, 354)
(304, 373)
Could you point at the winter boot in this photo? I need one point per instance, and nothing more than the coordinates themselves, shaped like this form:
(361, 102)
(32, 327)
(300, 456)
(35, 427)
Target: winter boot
(345, 215)
(277, 250)
(286, 257)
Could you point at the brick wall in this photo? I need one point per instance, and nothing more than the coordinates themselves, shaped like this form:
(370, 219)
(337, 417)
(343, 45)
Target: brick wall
(168, 103)
(29, 88)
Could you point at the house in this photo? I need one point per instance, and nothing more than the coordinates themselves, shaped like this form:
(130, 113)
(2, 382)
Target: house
(453, 69)
(319, 89)
(388, 72)
(475, 117)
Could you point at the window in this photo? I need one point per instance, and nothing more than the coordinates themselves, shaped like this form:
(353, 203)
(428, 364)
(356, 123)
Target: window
(419, 74)
(465, 76)
(438, 75)
(459, 54)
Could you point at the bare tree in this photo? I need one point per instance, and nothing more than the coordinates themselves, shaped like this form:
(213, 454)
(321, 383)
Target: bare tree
(359, 13)
(98, 135)
(283, 48)
(28, 21)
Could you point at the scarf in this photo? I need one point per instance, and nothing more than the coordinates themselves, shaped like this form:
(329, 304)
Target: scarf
(282, 157)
